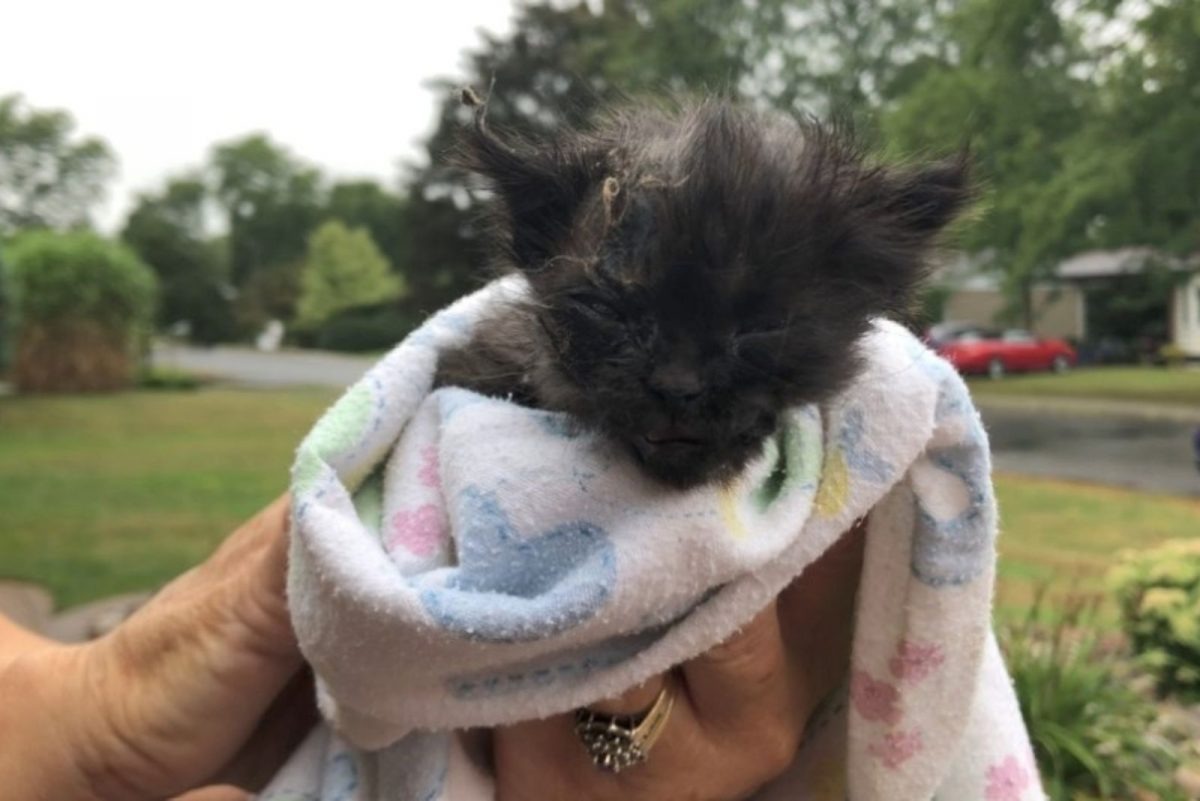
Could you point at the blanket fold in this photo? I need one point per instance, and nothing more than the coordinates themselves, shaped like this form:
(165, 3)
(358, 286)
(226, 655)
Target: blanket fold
(460, 561)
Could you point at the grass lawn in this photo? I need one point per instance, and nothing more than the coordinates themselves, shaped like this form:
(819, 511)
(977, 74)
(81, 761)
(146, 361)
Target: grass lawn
(1180, 386)
(115, 493)
(108, 494)
(1065, 535)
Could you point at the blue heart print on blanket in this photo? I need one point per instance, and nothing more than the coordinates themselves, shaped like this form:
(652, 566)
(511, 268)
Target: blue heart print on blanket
(508, 587)
(953, 545)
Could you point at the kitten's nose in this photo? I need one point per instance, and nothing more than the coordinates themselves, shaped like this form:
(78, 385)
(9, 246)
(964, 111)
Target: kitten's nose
(676, 382)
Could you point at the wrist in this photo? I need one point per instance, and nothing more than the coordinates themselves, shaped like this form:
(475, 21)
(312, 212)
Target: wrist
(40, 718)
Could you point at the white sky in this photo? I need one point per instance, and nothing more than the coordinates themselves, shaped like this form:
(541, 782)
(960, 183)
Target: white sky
(342, 84)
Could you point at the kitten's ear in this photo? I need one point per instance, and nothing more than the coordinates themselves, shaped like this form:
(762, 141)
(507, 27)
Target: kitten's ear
(900, 212)
(539, 186)
(926, 199)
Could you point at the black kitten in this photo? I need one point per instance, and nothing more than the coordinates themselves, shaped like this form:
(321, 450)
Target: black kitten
(694, 273)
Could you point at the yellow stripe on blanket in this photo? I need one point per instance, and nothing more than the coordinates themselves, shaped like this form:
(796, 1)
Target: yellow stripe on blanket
(835, 485)
(727, 502)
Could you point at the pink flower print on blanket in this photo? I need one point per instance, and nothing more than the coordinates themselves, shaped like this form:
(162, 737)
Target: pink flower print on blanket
(875, 700)
(897, 747)
(418, 531)
(1007, 780)
(430, 473)
(915, 660)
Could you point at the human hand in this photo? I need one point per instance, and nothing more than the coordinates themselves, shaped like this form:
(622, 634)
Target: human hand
(202, 686)
(740, 709)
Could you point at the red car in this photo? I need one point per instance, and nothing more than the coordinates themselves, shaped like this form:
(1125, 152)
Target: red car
(974, 350)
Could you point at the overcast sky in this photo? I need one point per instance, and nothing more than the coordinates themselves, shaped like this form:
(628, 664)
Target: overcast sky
(341, 83)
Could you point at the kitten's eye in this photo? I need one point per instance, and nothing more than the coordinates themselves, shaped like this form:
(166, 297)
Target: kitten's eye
(764, 329)
(596, 306)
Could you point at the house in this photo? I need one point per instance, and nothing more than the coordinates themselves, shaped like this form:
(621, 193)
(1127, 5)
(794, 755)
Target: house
(975, 295)
(1136, 294)
(1175, 302)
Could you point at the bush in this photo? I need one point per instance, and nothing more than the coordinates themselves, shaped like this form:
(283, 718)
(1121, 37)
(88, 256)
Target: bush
(1094, 734)
(167, 378)
(362, 329)
(1159, 594)
(82, 308)
(343, 269)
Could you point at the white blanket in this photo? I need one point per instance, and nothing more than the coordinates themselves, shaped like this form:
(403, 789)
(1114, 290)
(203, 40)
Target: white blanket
(460, 561)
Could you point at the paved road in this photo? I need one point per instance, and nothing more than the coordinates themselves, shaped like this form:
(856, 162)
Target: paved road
(247, 367)
(1148, 451)
(1144, 454)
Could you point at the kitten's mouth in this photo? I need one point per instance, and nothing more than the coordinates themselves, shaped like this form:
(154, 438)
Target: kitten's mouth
(672, 435)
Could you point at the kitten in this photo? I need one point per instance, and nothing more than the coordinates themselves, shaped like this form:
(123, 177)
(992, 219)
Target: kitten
(693, 273)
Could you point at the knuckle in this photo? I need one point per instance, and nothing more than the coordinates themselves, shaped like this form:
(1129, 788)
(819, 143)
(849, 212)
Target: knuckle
(782, 752)
(775, 749)
(748, 654)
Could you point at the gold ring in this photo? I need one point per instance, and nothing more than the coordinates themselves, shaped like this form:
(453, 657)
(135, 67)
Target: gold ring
(616, 742)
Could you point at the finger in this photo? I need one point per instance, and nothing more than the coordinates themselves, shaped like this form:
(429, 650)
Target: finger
(741, 677)
(215, 794)
(816, 613)
(284, 726)
(632, 701)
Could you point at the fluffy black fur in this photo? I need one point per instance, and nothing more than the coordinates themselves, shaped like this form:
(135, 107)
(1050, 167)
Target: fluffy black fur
(694, 272)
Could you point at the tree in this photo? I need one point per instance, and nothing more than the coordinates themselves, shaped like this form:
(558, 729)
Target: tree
(271, 201)
(368, 205)
(1136, 164)
(1010, 83)
(167, 230)
(82, 307)
(343, 269)
(845, 57)
(49, 177)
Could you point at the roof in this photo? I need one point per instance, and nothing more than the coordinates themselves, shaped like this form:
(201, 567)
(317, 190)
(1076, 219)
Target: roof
(1122, 261)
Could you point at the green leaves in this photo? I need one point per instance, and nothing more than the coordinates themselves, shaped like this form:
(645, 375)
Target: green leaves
(167, 231)
(79, 276)
(343, 269)
(1094, 734)
(1159, 594)
(82, 305)
(49, 178)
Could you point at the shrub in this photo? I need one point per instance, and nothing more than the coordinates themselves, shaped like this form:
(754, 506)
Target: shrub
(1159, 594)
(362, 329)
(1094, 734)
(82, 306)
(343, 269)
(167, 378)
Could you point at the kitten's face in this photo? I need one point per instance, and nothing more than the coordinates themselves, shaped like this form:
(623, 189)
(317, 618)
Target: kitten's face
(690, 358)
(695, 275)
